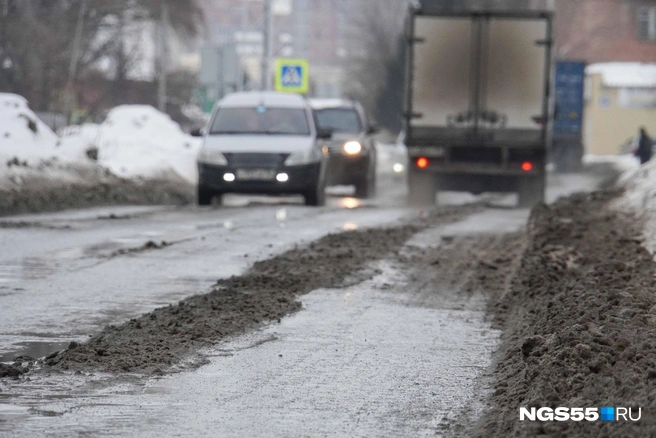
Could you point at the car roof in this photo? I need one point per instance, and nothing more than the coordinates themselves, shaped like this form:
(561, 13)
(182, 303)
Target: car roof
(319, 104)
(266, 98)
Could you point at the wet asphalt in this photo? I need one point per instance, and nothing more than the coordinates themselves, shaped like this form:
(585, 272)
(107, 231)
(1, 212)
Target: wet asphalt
(65, 275)
(359, 361)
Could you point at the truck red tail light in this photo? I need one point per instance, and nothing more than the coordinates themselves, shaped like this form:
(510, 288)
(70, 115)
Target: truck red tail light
(527, 166)
(422, 163)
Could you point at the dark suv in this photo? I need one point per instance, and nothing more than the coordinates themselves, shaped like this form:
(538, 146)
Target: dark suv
(352, 148)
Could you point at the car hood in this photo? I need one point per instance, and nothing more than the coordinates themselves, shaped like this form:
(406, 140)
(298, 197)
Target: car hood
(267, 144)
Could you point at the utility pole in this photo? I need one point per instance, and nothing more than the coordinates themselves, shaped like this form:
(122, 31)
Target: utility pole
(267, 56)
(163, 57)
(72, 69)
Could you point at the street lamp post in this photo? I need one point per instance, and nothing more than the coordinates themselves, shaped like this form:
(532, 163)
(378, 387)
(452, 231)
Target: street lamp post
(267, 56)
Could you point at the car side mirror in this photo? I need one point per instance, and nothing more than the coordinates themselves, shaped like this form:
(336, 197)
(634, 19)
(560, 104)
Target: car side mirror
(374, 129)
(324, 134)
(197, 132)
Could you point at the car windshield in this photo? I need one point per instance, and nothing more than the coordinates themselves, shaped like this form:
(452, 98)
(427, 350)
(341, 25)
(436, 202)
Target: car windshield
(261, 120)
(339, 120)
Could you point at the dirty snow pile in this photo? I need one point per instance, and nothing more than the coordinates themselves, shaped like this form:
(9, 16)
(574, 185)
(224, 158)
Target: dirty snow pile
(640, 196)
(22, 135)
(134, 141)
(78, 142)
(640, 186)
(621, 163)
(138, 141)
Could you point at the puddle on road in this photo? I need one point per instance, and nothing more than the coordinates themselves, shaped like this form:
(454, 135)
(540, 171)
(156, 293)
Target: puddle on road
(35, 350)
(39, 268)
(26, 269)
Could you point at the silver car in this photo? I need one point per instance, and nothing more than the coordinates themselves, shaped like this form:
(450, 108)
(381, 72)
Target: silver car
(263, 143)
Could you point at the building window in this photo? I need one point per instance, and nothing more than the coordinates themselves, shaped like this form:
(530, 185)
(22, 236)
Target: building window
(647, 24)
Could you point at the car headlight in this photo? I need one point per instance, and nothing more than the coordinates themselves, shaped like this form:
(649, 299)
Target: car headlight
(300, 158)
(208, 156)
(352, 148)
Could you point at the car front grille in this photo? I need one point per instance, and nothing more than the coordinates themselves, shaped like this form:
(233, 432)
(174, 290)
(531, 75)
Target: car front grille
(256, 160)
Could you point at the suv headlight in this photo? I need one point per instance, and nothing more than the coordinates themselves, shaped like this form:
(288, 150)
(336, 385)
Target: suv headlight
(300, 158)
(352, 148)
(208, 156)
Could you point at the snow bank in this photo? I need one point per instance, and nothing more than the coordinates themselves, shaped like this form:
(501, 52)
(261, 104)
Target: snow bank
(640, 185)
(134, 142)
(139, 141)
(640, 197)
(76, 142)
(622, 163)
(22, 134)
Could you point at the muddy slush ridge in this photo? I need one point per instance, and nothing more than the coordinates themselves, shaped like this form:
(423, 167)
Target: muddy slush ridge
(579, 323)
(37, 196)
(154, 342)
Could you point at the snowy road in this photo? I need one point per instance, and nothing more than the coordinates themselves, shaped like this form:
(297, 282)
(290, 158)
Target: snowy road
(387, 357)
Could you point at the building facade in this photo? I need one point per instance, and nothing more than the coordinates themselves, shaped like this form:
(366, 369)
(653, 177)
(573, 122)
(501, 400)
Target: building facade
(620, 99)
(617, 39)
(606, 30)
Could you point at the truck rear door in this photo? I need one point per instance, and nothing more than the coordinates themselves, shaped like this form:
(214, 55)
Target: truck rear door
(466, 67)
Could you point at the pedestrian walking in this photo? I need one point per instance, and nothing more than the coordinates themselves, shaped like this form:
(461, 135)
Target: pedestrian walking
(645, 146)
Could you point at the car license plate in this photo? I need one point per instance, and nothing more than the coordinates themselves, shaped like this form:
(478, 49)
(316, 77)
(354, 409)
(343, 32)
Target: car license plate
(255, 174)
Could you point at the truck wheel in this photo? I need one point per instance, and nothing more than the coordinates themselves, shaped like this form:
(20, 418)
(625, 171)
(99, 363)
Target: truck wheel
(531, 191)
(366, 187)
(205, 196)
(422, 189)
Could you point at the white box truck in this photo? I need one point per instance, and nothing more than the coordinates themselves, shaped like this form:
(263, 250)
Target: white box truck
(478, 107)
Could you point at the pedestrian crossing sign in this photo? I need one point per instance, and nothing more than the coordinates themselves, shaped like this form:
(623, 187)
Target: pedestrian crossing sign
(292, 76)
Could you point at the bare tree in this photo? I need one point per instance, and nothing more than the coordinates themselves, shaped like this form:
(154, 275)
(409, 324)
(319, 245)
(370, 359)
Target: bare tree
(37, 40)
(375, 51)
